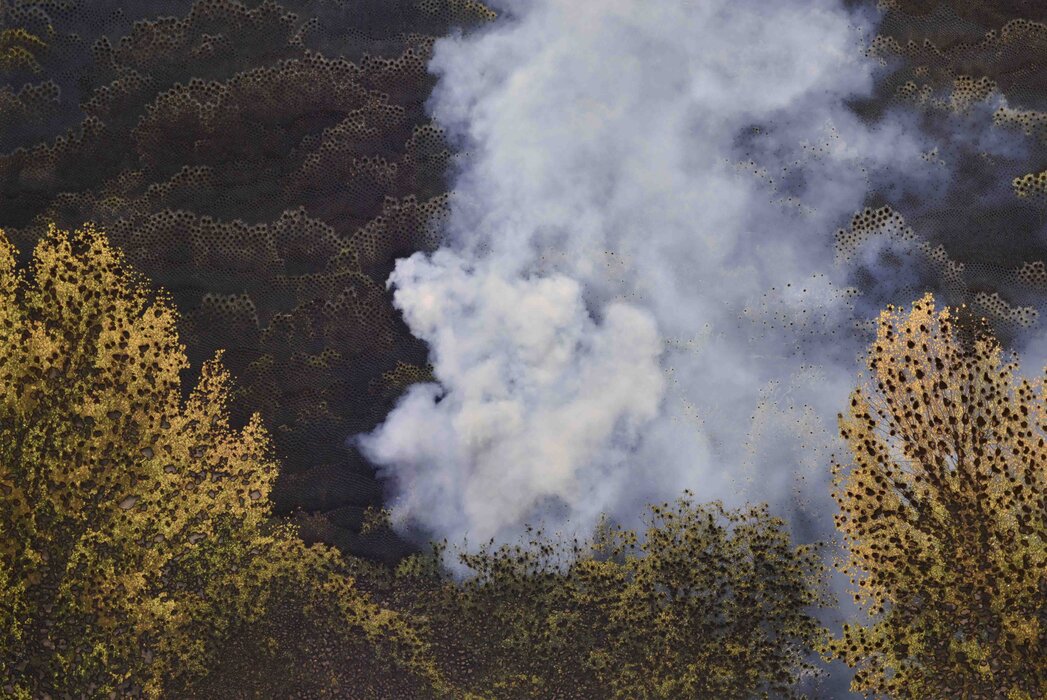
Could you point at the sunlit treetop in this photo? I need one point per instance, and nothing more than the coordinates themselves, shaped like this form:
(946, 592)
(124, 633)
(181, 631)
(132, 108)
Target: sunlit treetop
(135, 529)
(944, 514)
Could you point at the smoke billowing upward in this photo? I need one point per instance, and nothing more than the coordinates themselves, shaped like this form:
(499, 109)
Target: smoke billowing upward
(638, 291)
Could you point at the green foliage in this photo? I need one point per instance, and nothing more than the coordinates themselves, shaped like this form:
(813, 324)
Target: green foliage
(136, 544)
(707, 603)
(944, 513)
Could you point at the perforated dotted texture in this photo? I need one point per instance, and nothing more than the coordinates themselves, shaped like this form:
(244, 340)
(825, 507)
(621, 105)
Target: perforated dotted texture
(266, 163)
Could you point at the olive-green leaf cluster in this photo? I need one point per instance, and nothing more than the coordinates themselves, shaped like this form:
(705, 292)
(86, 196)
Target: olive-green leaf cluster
(706, 602)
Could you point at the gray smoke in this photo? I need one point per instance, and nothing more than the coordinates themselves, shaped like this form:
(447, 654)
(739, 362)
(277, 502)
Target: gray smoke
(637, 293)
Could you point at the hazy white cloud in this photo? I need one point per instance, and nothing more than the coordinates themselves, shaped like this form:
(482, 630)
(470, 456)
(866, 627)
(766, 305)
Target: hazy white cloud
(637, 294)
(535, 389)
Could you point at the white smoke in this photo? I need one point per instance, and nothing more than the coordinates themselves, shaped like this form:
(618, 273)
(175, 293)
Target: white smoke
(637, 293)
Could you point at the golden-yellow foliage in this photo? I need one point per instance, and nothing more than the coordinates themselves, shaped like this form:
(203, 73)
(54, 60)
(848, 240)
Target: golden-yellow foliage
(135, 530)
(944, 515)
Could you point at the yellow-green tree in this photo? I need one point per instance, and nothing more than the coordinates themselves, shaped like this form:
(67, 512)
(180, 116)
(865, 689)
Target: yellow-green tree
(136, 544)
(944, 516)
(706, 603)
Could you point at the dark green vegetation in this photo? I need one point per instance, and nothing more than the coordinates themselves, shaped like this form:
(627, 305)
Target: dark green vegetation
(704, 602)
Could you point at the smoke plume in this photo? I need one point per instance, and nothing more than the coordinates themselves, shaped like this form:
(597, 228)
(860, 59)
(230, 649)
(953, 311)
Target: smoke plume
(637, 293)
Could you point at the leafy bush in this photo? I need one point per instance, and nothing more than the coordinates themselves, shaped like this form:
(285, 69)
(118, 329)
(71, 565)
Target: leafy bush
(706, 603)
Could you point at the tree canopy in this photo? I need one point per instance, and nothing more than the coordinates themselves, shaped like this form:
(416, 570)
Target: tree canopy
(136, 542)
(705, 602)
(944, 512)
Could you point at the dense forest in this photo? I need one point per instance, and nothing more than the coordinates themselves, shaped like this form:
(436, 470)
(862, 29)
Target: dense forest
(200, 205)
